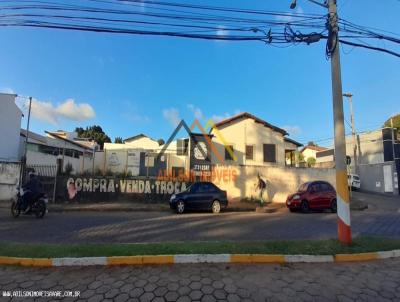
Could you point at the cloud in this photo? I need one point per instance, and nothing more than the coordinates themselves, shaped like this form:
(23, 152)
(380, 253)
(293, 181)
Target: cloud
(217, 118)
(47, 112)
(7, 90)
(172, 116)
(289, 17)
(198, 114)
(292, 130)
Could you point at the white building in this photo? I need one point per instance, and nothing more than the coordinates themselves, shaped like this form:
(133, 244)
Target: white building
(10, 124)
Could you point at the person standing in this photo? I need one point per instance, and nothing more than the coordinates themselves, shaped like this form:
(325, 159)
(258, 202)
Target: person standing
(261, 186)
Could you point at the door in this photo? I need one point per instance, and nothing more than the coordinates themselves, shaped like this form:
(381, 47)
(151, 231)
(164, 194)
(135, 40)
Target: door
(206, 195)
(192, 199)
(387, 178)
(315, 196)
(326, 195)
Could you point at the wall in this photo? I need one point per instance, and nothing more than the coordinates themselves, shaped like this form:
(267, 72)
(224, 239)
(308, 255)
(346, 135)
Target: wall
(10, 125)
(372, 178)
(143, 143)
(281, 181)
(9, 180)
(247, 132)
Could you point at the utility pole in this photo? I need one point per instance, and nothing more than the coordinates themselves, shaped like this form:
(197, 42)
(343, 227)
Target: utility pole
(353, 131)
(343, 200)
(23, 168)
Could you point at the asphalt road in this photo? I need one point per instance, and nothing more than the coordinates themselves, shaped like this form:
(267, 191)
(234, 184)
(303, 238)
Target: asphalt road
(124, 227)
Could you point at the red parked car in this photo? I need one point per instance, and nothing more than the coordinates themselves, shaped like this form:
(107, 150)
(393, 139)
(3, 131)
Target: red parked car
(313, 195)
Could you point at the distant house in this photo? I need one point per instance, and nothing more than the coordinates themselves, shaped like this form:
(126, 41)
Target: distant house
(10, 123)
(58, 147)
(311, 151)
(377, 159)
(253, 141)
(142, 141)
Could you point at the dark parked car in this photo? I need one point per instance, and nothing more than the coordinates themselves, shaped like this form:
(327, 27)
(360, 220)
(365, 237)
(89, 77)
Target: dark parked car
(199, 196)
(316, 195)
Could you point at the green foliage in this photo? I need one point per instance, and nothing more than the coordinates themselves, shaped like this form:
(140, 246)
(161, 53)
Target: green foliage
(311, 162)
(118, 140)
(311, 143)
(396, 122)
(287, 247)
(94, 132)
(161, 142)
(68, 169)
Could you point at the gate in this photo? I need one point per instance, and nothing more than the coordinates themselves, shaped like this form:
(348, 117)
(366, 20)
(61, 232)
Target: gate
(47, 175)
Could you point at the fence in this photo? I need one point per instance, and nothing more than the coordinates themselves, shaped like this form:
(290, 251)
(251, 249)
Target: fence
(47, 175)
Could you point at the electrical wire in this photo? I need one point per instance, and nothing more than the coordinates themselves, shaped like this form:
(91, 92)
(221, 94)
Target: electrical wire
(173, 19)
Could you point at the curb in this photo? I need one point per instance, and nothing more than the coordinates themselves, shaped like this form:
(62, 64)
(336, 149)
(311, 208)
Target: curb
(197, 258)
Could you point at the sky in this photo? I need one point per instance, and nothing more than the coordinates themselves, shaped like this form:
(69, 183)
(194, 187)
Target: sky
(145, 84)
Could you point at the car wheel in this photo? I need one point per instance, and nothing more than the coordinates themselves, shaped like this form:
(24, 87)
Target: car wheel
(216, 207)
(305, 208)
(180, 207)
(334, 206)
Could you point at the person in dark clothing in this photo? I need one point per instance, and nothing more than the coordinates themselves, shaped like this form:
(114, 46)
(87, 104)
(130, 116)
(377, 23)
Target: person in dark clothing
(261, 187)
(33, 188)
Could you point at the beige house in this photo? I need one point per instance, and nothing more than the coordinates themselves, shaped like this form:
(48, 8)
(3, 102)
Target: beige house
(254, 142)
(142, 141)
(311, 151)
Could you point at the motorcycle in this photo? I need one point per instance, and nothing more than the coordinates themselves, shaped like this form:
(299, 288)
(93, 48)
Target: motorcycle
(38, 206)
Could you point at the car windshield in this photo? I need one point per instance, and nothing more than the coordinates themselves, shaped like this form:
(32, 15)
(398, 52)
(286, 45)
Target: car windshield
(303, 187)
(356, 177)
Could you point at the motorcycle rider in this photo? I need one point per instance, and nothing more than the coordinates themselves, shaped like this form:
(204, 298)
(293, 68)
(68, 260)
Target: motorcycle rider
(34, 189)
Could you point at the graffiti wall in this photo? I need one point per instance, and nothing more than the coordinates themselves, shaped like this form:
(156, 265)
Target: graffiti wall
(98, 189)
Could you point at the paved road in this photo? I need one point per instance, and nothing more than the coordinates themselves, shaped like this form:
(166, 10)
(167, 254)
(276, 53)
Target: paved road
(80, 227)
(368, 281)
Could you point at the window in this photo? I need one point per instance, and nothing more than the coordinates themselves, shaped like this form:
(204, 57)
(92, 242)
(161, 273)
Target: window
(249, 152)
(227, 153)
(269, 153)
(182, 147)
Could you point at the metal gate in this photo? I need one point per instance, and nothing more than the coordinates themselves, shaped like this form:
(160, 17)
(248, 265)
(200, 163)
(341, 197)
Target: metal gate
(47, 175)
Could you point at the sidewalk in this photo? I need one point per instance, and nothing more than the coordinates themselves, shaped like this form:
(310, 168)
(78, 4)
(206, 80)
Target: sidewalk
(139, 207)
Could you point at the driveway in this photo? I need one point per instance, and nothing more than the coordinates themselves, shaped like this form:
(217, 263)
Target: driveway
(83, 227)
(369, 281)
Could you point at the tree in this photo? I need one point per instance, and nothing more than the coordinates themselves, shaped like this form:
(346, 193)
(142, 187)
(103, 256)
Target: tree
(94, 132)
(311, 143)
(311, 161)
(161, 142)
(118, 140)
(396, 122)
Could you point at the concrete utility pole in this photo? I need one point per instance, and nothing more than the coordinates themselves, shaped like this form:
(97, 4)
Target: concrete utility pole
(343, 200)
(23, 168)
(353, 131)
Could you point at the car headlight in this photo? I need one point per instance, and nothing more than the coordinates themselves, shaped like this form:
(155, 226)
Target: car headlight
(295, 197)
(173, 197)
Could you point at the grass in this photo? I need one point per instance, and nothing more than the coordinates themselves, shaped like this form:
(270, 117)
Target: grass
(310, 247)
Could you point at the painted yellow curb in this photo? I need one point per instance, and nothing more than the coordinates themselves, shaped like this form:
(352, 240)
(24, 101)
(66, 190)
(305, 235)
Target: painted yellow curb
(158, 259)
(44, 262)
(254, 258)
(137, 260)
(356, 257)
(170, 259)
(124, 260)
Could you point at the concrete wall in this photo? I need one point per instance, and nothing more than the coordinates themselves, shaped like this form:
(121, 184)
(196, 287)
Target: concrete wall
(281, 181)
(247, 132)
(9, 180)
(372, 178)
(10, 125)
